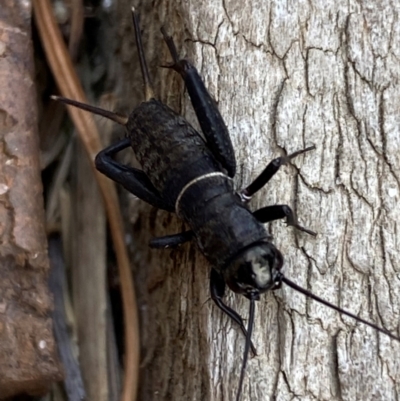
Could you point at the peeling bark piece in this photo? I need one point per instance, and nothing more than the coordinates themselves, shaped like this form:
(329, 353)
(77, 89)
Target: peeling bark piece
(28, 362)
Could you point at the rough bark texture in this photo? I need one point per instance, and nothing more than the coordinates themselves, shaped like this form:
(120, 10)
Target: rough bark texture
(285, 75)
(27, 350)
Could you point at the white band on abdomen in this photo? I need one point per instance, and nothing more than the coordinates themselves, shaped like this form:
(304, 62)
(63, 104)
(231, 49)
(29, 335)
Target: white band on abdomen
(194, 181)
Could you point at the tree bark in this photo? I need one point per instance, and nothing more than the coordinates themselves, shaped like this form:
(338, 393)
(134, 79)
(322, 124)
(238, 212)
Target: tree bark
(28, 356)
(285, 76)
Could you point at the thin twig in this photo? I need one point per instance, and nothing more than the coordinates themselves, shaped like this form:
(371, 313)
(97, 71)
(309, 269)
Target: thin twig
(73, 378)
(69, 85)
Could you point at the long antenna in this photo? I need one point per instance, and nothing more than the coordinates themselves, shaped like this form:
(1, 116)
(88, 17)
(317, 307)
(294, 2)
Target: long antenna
(344, 312)
(246, 348)
(118, 118)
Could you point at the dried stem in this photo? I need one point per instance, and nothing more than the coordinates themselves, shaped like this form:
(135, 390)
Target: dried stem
(69, 85)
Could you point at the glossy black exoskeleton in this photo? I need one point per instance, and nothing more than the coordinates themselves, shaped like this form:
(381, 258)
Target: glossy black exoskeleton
(183, 173)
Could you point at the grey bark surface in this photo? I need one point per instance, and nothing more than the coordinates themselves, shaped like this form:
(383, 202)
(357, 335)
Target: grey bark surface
(286, 75)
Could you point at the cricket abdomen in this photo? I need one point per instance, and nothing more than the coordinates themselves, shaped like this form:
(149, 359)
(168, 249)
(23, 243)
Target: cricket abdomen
(170, 151)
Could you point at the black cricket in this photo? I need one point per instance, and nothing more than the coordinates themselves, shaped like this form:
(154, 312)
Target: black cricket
(183, 173)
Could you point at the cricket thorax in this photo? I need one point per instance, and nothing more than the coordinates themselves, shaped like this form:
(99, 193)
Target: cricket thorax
(221, 222)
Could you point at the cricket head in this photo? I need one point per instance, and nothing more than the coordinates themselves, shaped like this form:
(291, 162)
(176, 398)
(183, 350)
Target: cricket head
(255, 270)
